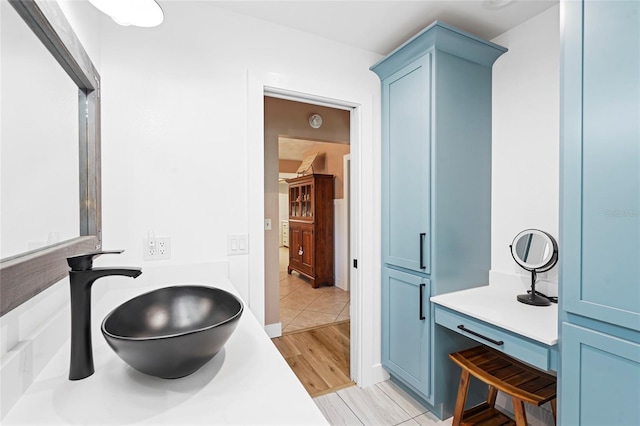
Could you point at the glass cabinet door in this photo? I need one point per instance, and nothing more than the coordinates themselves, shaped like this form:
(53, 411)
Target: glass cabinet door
(301, 200)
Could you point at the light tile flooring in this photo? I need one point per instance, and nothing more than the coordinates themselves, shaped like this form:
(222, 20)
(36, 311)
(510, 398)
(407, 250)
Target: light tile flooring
(381, 404)
(302, 306)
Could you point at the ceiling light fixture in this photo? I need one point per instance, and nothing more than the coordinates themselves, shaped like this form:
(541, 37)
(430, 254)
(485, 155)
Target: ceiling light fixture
(140, 13)
(496, 4)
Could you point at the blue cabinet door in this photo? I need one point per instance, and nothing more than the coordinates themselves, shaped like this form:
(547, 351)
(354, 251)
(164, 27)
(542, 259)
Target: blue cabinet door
(406, 166)
(600, 379)
(405, 328)
(601, 164)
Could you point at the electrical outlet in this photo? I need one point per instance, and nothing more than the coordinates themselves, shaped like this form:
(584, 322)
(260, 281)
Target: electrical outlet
(163, 248)
(148, 249)
(158, 248)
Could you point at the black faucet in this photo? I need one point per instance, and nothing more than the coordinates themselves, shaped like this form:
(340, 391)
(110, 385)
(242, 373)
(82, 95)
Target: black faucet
(81, 277)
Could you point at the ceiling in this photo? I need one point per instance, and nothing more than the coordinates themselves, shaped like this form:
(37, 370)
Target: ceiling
(381, 26)
(294, 149)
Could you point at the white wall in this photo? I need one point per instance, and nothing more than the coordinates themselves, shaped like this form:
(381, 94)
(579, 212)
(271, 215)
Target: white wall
(341, 259)
(525, 170)
(179, 151)
(174, 118)
(283, 206)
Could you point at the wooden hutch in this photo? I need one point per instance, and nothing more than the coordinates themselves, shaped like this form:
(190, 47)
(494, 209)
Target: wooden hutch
(311, 228)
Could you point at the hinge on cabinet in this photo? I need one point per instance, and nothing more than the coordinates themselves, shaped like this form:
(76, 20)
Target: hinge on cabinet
(355, 263)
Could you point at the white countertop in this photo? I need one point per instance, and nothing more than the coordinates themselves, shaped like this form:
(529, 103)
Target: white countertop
(246, 383)
(497, 305)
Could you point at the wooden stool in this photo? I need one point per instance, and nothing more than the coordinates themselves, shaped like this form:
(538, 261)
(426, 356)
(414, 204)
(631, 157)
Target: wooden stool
(502, 373)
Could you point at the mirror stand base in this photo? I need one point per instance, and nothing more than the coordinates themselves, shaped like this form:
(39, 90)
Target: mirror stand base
(533, 299)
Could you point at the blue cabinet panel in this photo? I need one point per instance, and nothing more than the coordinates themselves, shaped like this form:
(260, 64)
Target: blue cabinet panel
(601, 138)
(611, 157)
(436, 158)
(406, 160)
(600, 379)
(405, 335)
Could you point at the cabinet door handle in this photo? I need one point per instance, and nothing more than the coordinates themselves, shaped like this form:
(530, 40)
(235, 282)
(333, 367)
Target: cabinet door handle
(421, 297)
(488, 339)
(422, 237)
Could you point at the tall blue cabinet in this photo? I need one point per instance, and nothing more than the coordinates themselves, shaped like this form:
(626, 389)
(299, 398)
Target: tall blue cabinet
(599, 376)
(436, 198)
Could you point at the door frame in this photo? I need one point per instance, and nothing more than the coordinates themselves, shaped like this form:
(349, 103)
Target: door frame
(365, 207)
(346, 167)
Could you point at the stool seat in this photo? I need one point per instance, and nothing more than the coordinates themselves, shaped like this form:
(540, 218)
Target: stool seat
(521, 382)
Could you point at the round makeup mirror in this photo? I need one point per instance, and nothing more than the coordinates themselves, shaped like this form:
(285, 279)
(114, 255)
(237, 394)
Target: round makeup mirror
(536, 251)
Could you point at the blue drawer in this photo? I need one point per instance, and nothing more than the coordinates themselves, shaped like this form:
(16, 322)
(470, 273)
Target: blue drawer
(526, 350)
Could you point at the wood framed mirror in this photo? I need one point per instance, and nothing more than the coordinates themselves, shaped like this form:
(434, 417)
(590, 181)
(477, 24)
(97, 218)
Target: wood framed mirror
(25, 274)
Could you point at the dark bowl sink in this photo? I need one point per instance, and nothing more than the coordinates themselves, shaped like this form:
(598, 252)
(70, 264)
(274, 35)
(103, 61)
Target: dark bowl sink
(173, 331)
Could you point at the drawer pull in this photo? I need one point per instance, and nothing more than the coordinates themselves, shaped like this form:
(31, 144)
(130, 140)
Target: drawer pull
(421, 294)
(422, 237)
(488, 339)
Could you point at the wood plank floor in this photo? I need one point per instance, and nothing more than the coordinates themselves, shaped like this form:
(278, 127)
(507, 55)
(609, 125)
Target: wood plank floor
(319, 357)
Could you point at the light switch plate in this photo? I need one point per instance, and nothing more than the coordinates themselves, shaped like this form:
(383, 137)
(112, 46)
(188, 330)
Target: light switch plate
(237, 244)
(267, 224)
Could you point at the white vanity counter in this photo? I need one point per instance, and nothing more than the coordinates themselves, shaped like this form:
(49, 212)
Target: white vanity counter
(498, 306)
(247, 383)
(492, 316)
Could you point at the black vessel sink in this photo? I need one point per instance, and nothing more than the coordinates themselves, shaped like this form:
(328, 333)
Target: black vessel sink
(173, 331)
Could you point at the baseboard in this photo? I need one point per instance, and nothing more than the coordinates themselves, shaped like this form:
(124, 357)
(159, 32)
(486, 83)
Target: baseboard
(372, 375)
(379, 374)
(273, 330)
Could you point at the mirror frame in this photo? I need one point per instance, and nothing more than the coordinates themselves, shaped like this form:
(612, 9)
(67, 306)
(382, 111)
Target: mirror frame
(542, 267)
(25, 275)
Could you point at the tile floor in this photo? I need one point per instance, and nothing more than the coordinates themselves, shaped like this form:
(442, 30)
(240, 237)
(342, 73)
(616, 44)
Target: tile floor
(302, 306)
(380, 404)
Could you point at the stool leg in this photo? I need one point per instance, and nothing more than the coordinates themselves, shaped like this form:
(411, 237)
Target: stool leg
(553, 410)
(518, 409)
(463, 388)
(491, 396)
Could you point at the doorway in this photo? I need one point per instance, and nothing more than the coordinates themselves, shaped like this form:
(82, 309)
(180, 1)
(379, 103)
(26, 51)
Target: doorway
(365, 368)
(295, 147)
(312, 153)
(314, 310)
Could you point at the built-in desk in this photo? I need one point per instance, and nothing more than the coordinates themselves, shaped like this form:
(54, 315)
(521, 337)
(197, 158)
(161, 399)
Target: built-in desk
(492, 316)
